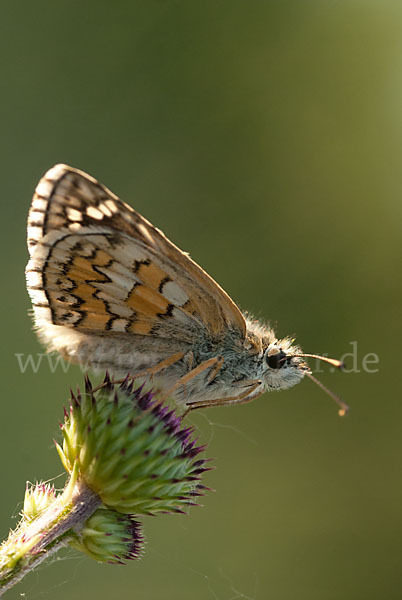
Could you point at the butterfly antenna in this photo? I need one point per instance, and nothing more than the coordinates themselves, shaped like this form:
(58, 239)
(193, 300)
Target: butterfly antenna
(334, 362)
(343, 408)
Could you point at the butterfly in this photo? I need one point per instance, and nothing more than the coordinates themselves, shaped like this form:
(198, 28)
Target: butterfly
(110, 291)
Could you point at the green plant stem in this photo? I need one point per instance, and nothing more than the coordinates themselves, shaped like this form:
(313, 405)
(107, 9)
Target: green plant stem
(19, 573)
(33, 542)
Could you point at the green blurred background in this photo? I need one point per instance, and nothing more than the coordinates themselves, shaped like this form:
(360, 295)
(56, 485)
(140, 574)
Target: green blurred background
(266, 139)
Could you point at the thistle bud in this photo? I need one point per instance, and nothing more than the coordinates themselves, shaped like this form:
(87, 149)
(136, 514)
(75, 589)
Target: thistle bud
(109, 536)
(37, 498)
(131, 450)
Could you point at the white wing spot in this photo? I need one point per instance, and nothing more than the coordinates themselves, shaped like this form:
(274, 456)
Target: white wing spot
(34, 232)
(55, 172)
(174, 293)
(35, 217)
(74, 226)
(117, 288)
(38, 296)
(94, 213)
(34, 279)
(39, 203)
(119, 324)
(116, 307)
(44, 188)
(111, 205)
(42, 313)
(105, 209)
(74, 214)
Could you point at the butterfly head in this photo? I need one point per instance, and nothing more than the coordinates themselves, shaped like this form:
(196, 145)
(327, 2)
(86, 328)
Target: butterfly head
(282, 367)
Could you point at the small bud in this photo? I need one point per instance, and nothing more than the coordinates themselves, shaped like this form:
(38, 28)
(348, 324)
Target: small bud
(109, 536)
(37, 498)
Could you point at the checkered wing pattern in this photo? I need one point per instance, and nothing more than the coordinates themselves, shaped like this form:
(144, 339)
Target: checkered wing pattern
(98, 266)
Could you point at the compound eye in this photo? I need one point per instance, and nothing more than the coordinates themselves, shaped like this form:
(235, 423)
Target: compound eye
(276, 358)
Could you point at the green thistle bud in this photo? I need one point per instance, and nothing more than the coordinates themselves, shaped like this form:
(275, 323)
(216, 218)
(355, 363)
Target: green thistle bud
(109, 536)
(131, 450)
(37, 498)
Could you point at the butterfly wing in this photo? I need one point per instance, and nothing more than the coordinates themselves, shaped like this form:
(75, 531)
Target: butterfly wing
(98, 266)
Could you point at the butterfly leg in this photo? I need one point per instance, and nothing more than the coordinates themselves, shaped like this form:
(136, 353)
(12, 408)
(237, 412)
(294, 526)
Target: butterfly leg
(207, 364)
(243, 398)
(216, 369)
(160, 366)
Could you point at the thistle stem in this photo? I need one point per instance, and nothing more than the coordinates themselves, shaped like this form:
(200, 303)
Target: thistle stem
(31, 543)
(17, 574)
